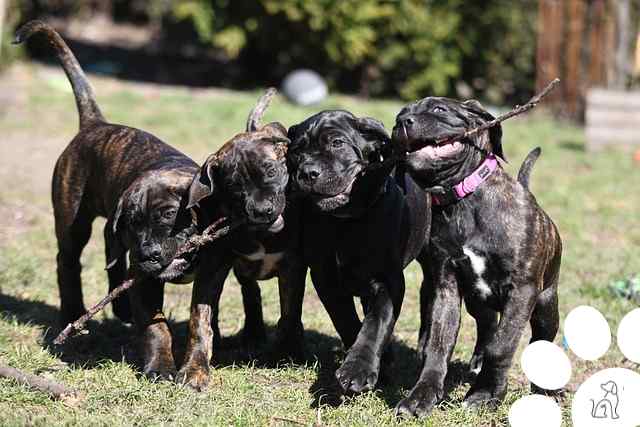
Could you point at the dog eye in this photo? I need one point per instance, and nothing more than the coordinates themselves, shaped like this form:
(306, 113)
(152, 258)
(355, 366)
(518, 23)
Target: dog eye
(168, 214)
(437, 109)
(337, 143)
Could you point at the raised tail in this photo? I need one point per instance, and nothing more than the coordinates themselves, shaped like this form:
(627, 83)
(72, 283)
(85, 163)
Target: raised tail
(527, 165)
(255, 116)
(85, 99)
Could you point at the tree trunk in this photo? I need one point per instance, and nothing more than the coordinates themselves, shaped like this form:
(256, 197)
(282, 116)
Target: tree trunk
(623, 21)
(549, 49)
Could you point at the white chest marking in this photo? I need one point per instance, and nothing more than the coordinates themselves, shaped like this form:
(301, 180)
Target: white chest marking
(270, 263)
(479, 265)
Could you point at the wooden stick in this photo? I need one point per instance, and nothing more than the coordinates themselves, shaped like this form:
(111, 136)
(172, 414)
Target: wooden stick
(54, 389)
(255, 117)
(78, 325)
(519, 109)
(210, 234)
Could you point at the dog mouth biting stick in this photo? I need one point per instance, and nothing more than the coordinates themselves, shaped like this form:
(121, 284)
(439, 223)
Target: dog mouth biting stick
(212, 233)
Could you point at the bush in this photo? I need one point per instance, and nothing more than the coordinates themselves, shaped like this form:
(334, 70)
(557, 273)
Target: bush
(407, 48)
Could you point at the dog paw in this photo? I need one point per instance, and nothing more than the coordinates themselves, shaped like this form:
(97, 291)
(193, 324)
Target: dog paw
(289, 346)
(420, 402)
(357, 376)
(159, 372)
(253, 340)
(482, 398)
(195, 378)
(475, 364)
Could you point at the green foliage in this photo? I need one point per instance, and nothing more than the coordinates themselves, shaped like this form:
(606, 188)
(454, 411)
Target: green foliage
(407, 48)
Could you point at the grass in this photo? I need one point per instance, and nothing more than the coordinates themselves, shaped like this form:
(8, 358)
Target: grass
(592, 197)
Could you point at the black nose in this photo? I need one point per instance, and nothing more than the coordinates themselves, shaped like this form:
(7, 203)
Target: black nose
(309, 173)
(406, 121)
(264, 209)
(151, 252)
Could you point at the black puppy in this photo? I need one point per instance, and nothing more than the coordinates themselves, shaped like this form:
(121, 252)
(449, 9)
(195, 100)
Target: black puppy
(491, 245)
(137, 182)
(362, 227)
(246, 179)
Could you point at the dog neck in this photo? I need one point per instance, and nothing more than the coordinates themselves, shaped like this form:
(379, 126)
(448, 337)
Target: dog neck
(467, 185)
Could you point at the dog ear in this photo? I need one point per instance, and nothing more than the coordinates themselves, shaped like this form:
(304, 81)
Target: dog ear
(203, 185)
(495, 132)
(374, 132)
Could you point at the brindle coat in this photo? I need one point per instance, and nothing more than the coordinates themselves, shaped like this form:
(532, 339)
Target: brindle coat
(247, 178)
(496, 249)
(135, 181)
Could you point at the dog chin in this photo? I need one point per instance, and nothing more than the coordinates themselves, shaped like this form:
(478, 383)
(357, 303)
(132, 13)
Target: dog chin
(179, 271)
(331, 203)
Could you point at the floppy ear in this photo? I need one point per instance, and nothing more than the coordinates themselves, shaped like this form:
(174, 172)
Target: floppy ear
(495, 132)
(374, 132)
(113, 231)
(203, 185)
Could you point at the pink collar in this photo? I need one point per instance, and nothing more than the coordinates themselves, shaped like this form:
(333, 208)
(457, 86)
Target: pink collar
(469, 184)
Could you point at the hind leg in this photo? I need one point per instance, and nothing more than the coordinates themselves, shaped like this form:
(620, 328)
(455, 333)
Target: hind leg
(117, 274)
(545, 321)
(72, 238)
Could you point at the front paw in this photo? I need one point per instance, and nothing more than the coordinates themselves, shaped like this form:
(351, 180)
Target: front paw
(289, 344)
(160, 371)
(420, 402)
(357, 375)
(483, 397)
(195, 377)
(253, 339)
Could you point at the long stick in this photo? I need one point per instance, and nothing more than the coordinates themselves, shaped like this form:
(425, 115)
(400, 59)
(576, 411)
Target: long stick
(519, 109)
(210, 234)
(55, 390)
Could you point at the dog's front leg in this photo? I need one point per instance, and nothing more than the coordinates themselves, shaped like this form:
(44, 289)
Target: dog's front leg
(360, 370)
(205, 298)
(440, 306)
(291, 286)
(146, 297)
(491, 385)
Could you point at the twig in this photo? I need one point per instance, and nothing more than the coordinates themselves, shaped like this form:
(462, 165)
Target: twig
(210, 234)
(287, 420)
(78, 325)
(256, 114)
(519, 109)
(54, 389)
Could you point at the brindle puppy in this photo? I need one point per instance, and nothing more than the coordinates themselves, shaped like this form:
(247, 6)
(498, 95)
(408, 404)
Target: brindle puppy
(493, 247)
(361, 227)
(137, 182)
(247, 179)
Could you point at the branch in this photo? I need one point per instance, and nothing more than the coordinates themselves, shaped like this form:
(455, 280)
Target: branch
(519, 109)
(56, 390)
(209, 235)
(78, 325)
(253, 122)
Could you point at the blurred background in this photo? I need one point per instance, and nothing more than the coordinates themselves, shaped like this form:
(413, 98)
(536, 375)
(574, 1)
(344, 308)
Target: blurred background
(498, 51)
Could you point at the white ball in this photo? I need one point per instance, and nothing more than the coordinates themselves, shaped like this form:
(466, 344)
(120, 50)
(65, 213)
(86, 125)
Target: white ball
(587, 333)
(546, 365)
(535, 411)
(629, 336)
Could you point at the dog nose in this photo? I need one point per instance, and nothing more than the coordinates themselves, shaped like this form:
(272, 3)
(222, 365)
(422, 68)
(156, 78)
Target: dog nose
(309, 173)
(264, 209)
(152, 252)
(407, 121)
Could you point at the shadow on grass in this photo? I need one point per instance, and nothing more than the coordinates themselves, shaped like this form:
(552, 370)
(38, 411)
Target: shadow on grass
(110, 339)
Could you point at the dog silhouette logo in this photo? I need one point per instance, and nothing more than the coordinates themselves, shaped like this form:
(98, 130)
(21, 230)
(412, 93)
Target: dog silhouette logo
(607, 407)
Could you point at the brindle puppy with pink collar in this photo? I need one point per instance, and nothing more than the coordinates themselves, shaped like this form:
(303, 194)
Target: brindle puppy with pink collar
(491, 246)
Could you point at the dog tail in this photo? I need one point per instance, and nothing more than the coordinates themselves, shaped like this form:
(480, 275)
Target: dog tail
(255, 116)
(85, 99)
(525, 170)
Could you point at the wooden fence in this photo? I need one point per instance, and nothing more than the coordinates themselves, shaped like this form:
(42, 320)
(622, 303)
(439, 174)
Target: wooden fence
(612, 117)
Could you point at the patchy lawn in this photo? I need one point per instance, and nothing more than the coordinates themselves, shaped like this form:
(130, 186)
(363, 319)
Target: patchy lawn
(593, 198)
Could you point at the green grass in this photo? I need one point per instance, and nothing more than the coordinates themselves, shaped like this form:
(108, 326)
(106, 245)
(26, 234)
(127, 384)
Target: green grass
(593, 198)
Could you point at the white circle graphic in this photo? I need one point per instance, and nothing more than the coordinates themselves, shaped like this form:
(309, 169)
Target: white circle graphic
(546, 365)
(629, 336)
(587, 333)
(534, 411)
(609, 398)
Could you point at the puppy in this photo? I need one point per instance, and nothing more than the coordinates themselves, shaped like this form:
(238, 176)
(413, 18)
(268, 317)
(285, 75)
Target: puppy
(491, 245)
(137, 182)
(361, 227)
(246, 179)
